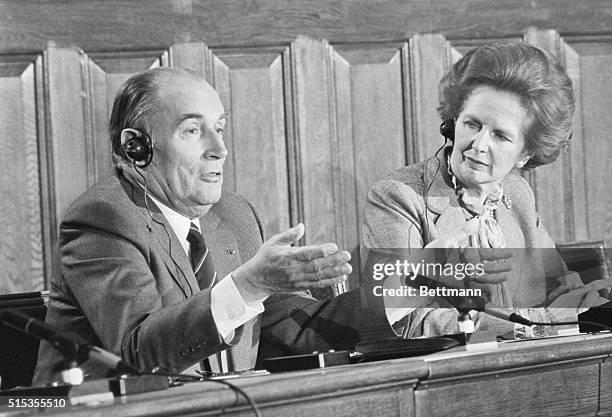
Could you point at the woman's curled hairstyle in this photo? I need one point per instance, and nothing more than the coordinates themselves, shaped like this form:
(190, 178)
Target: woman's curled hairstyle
(544, 88)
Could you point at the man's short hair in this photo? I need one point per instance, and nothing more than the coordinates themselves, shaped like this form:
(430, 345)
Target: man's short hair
(135, 101)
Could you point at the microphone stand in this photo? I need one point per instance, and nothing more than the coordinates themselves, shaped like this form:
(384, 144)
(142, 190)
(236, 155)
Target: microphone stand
(73, 347)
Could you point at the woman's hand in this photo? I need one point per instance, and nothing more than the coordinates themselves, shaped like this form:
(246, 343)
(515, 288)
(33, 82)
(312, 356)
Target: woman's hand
(495, 263)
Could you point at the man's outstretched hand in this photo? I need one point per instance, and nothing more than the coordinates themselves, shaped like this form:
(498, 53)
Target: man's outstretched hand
(279, 267)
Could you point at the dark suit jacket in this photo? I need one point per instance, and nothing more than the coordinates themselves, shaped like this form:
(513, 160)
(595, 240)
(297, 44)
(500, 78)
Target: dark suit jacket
(125, 284)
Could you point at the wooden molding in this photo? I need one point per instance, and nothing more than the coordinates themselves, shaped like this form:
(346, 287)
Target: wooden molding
(28, 25)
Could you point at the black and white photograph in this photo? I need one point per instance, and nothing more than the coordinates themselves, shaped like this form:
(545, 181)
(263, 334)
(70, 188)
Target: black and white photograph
(305, 208)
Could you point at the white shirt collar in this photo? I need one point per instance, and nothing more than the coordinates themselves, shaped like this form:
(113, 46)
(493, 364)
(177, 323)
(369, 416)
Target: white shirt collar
(180, 224)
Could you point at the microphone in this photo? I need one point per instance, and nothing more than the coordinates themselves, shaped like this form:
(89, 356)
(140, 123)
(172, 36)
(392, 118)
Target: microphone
(69, 344)
(503, 314)
(467, 303)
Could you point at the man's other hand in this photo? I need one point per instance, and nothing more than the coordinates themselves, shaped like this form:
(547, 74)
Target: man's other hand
(280, 267)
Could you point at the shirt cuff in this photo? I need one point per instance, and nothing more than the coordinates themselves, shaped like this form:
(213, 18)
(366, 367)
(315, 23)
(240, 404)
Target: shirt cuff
(229, 309)
(399, 306)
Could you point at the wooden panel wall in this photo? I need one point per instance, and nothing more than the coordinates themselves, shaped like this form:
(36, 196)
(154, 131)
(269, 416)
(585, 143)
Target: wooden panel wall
(313, 120)
(573, 194)
(257, 135)
(594, 64)
(21, 245)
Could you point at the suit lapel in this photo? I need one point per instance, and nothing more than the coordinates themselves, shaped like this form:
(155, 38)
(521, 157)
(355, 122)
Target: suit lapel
(177, 262)
(221, 243)
(162, 235)
(442, 202)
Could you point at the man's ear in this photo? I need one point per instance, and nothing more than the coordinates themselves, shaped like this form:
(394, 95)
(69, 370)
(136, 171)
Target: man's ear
(127, 134)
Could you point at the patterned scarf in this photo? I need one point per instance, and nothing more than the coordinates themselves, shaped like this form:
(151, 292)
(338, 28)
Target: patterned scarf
(489, 233)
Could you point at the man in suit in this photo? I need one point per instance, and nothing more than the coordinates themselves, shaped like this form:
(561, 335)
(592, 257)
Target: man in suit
(161, 268)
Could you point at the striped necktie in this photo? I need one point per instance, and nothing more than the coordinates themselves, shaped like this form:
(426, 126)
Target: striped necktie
(205, 273)
(201, 261)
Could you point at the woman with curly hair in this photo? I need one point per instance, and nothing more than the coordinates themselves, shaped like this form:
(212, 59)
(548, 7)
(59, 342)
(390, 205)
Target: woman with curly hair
(504, 107)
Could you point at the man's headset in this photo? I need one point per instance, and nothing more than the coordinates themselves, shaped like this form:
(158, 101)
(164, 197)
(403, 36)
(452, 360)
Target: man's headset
(138, 148)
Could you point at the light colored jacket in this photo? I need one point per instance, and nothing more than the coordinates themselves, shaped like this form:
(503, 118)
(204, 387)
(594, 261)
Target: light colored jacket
(415, 202)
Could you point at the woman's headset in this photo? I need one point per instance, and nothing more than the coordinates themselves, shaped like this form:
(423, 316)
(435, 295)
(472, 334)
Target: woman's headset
(447, 129)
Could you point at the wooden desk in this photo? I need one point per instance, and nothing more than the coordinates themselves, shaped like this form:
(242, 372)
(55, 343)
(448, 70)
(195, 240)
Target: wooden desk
(560, 376)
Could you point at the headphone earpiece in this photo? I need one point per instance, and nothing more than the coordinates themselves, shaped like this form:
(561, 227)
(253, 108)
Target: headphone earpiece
(447, 129)
(138, 148)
